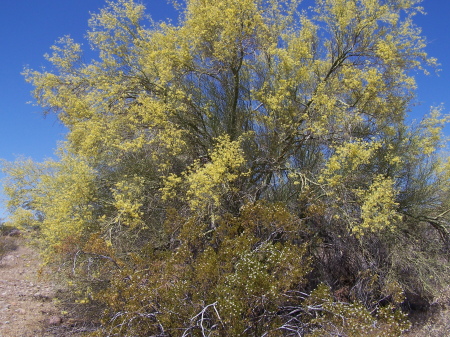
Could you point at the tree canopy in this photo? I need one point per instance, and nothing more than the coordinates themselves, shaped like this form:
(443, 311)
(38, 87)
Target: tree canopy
(246, 170)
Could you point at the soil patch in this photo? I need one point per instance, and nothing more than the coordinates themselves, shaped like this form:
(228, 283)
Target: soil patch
(28, 301)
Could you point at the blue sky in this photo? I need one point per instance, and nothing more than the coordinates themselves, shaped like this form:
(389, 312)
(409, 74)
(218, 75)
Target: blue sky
(29, 27)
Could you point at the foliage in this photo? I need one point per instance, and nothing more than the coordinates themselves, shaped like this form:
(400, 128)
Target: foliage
(219, 171)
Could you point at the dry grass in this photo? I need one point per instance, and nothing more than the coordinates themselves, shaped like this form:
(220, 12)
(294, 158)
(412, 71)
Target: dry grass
(435, 322)
(7, 244)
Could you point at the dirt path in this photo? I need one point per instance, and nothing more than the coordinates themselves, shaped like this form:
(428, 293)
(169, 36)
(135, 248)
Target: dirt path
(27, 307)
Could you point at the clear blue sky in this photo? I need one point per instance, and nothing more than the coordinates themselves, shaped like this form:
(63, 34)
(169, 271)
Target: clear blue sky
(29, 27)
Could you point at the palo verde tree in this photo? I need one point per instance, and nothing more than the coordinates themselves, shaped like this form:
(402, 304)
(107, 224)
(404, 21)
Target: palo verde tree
(245, 171)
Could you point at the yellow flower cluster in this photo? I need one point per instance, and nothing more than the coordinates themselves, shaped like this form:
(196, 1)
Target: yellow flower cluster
(378, 210)
(347, 158)
(128, 195)
(207, 183)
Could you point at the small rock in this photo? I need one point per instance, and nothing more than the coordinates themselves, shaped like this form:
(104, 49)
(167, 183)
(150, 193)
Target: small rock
(54, 320)
(21, 311)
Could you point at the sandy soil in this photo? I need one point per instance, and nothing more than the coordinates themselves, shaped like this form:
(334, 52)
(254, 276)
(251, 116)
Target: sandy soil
(28, 305)
(26, 302)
